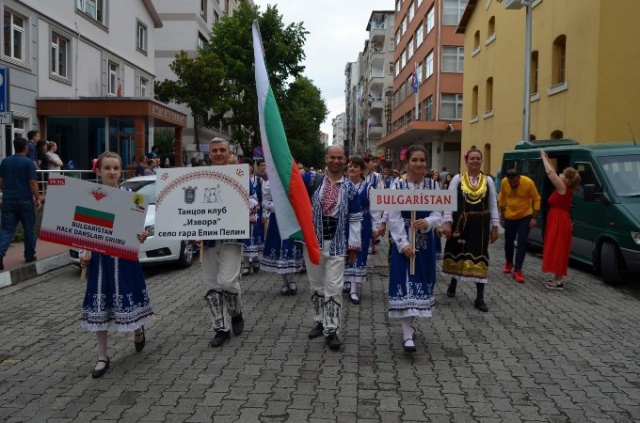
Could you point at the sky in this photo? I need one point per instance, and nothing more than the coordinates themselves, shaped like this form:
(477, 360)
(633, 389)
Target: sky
(337, 32)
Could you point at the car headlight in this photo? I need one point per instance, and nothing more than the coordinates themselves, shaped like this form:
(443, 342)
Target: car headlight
(150, 229)
(636, 237)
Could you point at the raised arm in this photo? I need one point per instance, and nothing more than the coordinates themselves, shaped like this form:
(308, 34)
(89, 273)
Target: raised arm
(552, 174)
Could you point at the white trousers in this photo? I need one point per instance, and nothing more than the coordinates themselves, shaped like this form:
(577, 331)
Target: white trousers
(326, 281)
(221, 267)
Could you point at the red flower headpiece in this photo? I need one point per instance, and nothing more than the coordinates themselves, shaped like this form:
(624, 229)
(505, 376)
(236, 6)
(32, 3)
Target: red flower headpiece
(465, 156)
(94, 164)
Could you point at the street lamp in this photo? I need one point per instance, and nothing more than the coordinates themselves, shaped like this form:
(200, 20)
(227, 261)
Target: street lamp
(526, 109)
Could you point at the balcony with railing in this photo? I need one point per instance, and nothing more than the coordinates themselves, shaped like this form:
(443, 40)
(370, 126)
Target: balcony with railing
(377, 27)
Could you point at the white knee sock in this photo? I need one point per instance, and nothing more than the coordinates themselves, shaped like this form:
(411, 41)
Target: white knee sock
(407, 329)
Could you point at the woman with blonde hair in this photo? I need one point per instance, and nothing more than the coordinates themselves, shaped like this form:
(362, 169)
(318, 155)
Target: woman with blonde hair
(558, 227)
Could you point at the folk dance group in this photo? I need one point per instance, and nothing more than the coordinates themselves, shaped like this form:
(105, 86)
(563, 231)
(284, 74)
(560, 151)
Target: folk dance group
(117, 296)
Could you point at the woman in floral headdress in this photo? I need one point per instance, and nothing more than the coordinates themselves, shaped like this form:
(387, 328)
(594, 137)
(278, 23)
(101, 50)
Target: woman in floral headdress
(471, 228)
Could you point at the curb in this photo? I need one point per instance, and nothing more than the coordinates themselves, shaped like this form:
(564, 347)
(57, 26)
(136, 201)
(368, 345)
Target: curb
(31, 270)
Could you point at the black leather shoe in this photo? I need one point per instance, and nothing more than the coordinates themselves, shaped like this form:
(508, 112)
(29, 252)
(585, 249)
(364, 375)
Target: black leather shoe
(317, 331)
(30, 259)
(256, 267)
(293, 288)
(333, 341)
(140, 344)
(1, 264)
(346, 288)
(245, 271)
(408, 345)
(451, 292)
(220, 338)
(100, 372)
(480, 305)
(237, 324)
(353, 297)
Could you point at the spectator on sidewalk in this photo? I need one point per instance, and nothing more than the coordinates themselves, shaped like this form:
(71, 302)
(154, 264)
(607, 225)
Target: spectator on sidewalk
(142, 165)
(55, 162)
(20, 200)
(33, 137)
(518, 205)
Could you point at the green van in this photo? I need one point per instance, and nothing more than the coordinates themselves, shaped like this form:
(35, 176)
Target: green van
(606, 207)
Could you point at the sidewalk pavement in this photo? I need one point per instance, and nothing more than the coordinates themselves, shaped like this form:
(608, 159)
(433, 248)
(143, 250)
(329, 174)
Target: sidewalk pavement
(50, 256)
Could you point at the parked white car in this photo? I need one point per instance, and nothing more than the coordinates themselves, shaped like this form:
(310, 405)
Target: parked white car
(154, 250)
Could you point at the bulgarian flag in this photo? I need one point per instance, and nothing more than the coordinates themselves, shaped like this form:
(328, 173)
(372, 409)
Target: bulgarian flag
(289, 193)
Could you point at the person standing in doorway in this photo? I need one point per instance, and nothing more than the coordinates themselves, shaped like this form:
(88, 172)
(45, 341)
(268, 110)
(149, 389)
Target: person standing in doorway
(519, 205)
(33, 137)
(20, 200)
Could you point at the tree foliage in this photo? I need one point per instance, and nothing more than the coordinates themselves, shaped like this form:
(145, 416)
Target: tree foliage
(221, 79)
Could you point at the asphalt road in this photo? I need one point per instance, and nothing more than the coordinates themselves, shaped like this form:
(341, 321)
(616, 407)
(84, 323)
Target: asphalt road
(538, 355)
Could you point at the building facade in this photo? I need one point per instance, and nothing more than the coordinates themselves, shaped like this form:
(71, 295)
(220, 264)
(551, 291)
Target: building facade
(62, 57)
(426, 109)
(339, 129)
(583, 78)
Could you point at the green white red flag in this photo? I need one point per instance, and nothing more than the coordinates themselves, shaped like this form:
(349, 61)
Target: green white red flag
(290, 199)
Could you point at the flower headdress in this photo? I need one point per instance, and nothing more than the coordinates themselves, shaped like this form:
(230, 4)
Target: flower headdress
(403, 154)
(94, 165)
(465, 156)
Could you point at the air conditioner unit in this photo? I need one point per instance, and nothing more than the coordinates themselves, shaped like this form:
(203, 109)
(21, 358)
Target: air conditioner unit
(515, 4)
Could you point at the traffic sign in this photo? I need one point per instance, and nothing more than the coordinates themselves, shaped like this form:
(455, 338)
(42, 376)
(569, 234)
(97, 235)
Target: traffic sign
(4, 89)
(6, 118)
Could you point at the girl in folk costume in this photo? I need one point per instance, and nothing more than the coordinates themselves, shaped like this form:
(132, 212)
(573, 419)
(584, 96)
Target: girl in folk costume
(283, 257)
(116, 292)
(253, 245)
(355, 273)
(471, 228)
(412, 296)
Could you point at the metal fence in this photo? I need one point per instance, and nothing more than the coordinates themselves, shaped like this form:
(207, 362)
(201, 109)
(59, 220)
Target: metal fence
(85, 175)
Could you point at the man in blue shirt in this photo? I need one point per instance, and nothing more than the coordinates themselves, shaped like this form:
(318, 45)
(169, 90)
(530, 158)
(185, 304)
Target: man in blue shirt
(20, 200)
(33, 137)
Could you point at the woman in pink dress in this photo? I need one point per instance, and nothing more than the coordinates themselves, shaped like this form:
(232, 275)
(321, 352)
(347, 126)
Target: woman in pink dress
(558, 226)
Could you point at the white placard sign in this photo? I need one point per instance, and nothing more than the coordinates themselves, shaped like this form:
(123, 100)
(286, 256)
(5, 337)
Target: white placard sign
(419, 199)
(92, 216)
(201, 203)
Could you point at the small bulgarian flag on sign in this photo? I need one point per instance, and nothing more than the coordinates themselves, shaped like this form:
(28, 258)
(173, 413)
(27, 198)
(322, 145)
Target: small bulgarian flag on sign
(94, 217)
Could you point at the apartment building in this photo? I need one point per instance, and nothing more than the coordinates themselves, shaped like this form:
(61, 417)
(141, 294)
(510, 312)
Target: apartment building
(339, 129)
(428, 110)
(187, 25)
(583, 72)
(353, 105)
(81, 72)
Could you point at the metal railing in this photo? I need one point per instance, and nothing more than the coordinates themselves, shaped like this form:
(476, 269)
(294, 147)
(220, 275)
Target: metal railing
(85, 175)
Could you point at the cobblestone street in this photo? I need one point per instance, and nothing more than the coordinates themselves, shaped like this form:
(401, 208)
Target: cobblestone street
(538, 355)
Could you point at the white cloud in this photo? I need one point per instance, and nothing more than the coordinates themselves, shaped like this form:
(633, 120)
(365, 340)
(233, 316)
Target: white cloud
(337, 32)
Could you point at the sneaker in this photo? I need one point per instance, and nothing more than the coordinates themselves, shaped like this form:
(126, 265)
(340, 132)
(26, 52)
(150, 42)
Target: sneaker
(220, 338)
(519, 277)
(317, 331)
(237, 324)
(333, 341)
(507, 268)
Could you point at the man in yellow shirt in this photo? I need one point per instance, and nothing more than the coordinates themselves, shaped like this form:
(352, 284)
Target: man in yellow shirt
(518, 204)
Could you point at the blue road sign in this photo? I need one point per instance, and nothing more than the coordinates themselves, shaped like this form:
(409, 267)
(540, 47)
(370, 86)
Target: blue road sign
(4, 89)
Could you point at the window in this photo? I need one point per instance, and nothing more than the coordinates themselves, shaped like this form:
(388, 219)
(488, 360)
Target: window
(216, 17)
(559, 60)
(534, 73)
(476, 40)
(14, 36)
(452, 11)
(451, 107)
(398, 6)
(19, 126)
(411, 12)
(453, 59)
(59, 55)
(203, 9)
(429, 65)
(397, 68)
(410, 49)
(474, 103)
(93, 8)
(403, 59)
(419, 35)
(141, 37)
(419, 73)
(391, 68)
(202, 40)
(489, 99)
(428, 108)
(491, 28)
(404, 26)
(398, 38)
(419, 4)
(430, 19)
(144, 85)
(112, 79)
(391, 44)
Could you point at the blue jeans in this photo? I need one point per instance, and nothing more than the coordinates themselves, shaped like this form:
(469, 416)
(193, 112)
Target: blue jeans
(12, 213)
(516, 228)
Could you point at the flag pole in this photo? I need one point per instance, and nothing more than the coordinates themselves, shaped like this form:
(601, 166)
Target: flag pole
(412, 260)
(415, 91)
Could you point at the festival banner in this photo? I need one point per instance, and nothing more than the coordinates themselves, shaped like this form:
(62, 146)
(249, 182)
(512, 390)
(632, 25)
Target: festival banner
(93, 217)
(199, 203)
(418, 200)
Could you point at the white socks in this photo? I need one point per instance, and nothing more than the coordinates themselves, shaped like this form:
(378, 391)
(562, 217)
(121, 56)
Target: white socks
(407, 331)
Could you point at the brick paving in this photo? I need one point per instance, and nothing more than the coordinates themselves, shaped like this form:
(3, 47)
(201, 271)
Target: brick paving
(538, 355)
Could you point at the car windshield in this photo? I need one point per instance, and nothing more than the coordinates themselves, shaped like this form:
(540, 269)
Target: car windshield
(146, 188)
(623, 173)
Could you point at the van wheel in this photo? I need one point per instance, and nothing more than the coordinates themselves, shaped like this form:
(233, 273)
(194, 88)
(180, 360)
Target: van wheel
(609, 263)
(186, 254)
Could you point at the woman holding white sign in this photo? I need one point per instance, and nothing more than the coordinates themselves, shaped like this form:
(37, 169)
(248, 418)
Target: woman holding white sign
(116, 291)
(471, 228)
(412, 295)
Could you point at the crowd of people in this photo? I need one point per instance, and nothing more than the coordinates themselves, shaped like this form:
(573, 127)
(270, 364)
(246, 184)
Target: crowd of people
(347, 231)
